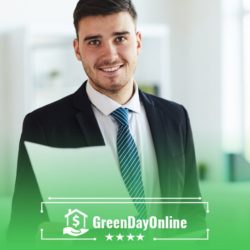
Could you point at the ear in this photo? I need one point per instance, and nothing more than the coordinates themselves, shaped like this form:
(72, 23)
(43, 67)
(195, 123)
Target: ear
(76, 48)
(138, 41)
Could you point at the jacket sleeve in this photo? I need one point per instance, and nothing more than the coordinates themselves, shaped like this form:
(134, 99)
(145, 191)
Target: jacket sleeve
(25, 214)
(194, 212)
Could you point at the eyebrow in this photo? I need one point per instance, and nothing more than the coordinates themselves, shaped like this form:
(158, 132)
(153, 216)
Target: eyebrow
(121, 33)
(87, 38)
(94, 37)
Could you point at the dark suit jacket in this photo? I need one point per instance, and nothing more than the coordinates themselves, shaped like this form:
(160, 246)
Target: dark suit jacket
(70, 123)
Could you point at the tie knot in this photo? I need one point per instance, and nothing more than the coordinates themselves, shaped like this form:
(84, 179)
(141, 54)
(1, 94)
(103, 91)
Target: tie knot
(121, 116)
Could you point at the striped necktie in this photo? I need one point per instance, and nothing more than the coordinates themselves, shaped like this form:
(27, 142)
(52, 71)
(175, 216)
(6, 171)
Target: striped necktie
(129, 160)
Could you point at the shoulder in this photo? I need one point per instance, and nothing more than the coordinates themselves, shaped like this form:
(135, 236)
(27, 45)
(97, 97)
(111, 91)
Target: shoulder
(168, 108)
(61, 110)
(46, 117)
(53, 110)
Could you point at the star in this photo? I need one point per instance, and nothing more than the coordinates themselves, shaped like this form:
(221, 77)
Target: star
(130, 237)
(140, 237)
(119, 237)
(109, 237)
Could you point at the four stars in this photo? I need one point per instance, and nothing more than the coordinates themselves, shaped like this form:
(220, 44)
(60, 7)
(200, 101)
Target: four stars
(120, 237)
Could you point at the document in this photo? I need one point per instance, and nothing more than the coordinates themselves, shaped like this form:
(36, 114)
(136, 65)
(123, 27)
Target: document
(75, 176)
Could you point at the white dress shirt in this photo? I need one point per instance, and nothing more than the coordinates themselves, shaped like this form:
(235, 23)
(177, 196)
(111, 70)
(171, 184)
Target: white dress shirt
(103, 106)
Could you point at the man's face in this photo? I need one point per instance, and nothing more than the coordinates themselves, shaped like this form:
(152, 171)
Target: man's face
(108, 47)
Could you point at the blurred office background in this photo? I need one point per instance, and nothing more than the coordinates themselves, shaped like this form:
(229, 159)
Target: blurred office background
(195, 52)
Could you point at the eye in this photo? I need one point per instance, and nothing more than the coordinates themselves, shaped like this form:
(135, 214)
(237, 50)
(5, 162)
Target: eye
(120, 39)
(94, 42)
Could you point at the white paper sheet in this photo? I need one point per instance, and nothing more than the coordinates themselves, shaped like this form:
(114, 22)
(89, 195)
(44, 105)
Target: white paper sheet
(80, 172)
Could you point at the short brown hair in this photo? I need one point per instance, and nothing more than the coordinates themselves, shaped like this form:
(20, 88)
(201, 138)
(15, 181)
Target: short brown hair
(86, 8)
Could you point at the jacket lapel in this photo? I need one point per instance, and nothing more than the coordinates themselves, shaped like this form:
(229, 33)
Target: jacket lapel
(86, 118)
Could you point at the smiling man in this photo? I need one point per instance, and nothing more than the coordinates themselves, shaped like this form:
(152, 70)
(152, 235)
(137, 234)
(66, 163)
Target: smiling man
(108, 47)
(150, 137)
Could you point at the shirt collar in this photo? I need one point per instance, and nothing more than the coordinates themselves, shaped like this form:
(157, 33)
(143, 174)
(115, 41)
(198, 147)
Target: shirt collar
(107, 105)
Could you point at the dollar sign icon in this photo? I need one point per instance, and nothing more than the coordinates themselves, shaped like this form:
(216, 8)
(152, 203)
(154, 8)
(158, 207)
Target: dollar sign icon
(76, 221)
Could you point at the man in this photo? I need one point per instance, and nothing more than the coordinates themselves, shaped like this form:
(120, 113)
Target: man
(107, 107)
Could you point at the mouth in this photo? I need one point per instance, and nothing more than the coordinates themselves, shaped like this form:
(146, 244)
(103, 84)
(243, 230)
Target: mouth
(111, 69)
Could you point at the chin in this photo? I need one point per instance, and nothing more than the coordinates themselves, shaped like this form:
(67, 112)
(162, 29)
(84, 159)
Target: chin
(112, 86)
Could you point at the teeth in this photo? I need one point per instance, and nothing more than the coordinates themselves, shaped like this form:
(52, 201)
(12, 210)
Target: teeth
(111, 69)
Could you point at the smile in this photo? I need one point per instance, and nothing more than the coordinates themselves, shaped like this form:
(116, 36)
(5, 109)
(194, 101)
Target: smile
(111, 69)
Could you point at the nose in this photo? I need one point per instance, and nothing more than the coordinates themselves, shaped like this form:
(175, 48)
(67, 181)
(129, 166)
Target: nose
(109, 52)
